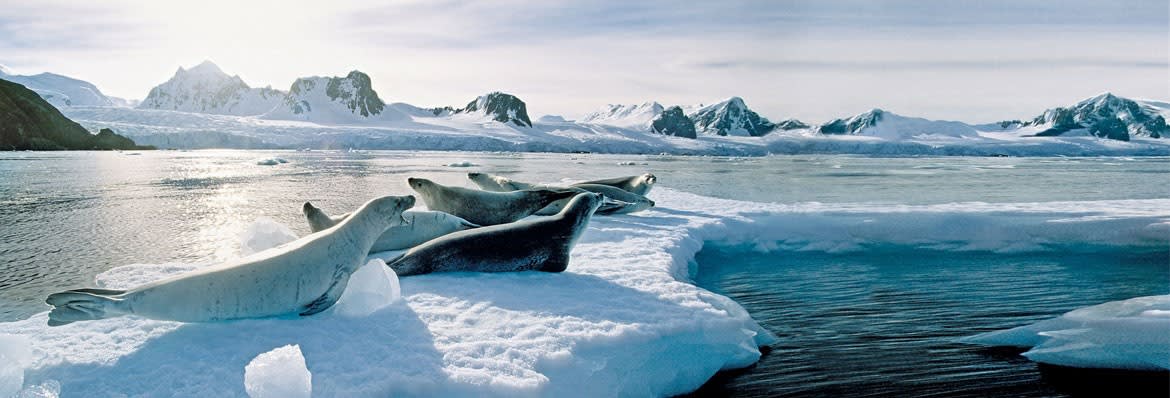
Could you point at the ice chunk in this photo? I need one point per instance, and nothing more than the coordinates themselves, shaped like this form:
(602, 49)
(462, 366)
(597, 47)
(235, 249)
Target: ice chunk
(15, 355)
(462, 164)
(372, 287)
(267, 162)
(280, 373)
(1127, 334)
(265, 234)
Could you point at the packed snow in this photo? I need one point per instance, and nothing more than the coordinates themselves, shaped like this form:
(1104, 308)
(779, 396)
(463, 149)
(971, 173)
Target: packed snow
(1127, 334)
(280, 373)
(624, 319)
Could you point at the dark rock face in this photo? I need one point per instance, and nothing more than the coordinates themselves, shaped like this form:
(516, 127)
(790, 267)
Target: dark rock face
(853, 125)
(358, 95)
(791, 124)
(501, 107)
(1105, 116)
(27, 121)
(731, 117)
(673, 121)
(354, 92)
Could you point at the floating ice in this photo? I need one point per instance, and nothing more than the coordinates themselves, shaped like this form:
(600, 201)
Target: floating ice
(372, 287)
(271, 161)
(462, 164)
(264, 234)
(15, 355)
(1127, 334)
(622, 320)
(280, 373)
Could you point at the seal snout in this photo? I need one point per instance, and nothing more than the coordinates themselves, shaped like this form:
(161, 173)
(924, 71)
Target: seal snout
(308, 207)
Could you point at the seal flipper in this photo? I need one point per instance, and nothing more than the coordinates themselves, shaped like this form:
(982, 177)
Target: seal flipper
(83, 305)
(340, 280)
(610, 205)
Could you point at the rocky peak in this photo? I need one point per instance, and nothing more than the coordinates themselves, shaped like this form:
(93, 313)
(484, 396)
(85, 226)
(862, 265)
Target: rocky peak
(673, 121)
(1104, 115)
(731, 117)
(205, 88)
(853, 125)
(501, 107)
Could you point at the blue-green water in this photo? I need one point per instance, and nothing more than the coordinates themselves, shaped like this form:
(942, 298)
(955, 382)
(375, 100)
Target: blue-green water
(879, 322)
(885, 323)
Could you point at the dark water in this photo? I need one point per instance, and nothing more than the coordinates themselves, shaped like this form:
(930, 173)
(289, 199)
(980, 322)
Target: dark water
(885, 323)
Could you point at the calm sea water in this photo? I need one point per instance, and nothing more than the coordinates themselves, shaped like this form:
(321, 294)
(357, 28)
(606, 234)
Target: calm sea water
(880, 323)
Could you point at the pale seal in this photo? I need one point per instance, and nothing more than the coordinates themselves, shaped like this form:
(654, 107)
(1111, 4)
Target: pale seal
(532, 245)
(421, 226)
(640, 184)
(617, 200)
(303, 277)
(483, 207)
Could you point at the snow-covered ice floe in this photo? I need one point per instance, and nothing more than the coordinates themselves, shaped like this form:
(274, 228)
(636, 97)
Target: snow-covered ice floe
(1128, 334)
(623, 320)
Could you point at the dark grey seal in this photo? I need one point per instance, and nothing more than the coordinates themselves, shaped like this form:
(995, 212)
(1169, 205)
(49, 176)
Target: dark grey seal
(534, 245)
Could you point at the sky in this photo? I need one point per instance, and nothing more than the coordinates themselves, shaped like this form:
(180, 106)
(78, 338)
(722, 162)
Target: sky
(815, 60)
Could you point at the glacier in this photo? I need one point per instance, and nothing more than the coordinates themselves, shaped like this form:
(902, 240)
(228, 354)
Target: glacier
(414, 129)
(623, 320)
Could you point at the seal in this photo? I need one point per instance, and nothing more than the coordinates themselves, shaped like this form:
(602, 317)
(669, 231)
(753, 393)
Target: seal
(637, 184)
(617, 200)
(303, 277)
(532, 245)
(633, 202)
(421, 227)
(483, 207)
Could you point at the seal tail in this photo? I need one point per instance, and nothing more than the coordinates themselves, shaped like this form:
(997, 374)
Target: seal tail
(83, 305)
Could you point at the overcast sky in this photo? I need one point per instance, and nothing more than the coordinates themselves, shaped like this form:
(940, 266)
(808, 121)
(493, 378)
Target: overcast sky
(975, 61)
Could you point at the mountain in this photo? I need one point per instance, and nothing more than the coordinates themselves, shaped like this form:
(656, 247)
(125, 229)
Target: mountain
(636, 117)
(27, 121)
(207, 89)
(60, 90)
(501, 107)
(882, 124)
(551, 119)
(673, 121)
(730, 117)
(334, 99)
(1104, 115)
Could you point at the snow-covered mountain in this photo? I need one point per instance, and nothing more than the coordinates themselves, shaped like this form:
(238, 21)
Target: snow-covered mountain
(333, 100)
(887, 125)
(1104, 115)
(207, 89)
(61, 91)
(636, 117)
(501, 107)
(730, 117)
(673, 121)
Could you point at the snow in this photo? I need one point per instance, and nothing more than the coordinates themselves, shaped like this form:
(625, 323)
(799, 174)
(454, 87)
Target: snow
(636, 117)
(280, 373)
(14, 356)
(171, 129)
(624, 319)
(61, 91)
(1127, 334)
(206, 89)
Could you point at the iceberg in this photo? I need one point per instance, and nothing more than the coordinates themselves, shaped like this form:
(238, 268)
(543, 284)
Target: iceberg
(1129, 334)
(624, 319)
